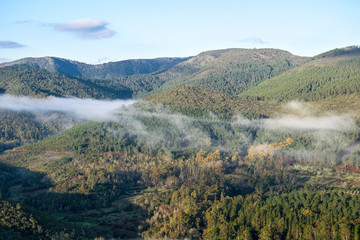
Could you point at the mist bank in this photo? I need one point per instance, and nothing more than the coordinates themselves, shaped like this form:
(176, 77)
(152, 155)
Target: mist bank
(83, 109)
(158, 126)
(329, 122)
(113, 110)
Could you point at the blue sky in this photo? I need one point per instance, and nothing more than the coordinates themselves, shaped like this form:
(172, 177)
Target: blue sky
(110, 30)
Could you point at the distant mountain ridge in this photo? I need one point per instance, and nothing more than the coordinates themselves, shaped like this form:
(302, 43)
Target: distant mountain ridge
(100, 71)
(256, 73)
(32, 81)
(231, 70)
(350, 50)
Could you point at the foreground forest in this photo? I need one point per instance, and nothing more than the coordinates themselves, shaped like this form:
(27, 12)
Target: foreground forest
(229, 144)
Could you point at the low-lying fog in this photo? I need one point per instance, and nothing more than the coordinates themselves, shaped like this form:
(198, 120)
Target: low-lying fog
(84, 109)
(165, 125)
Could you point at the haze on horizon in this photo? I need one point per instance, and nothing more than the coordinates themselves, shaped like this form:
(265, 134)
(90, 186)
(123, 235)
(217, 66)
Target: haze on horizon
(98, 32)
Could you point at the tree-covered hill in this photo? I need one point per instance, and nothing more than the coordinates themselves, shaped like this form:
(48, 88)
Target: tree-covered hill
(99, 71)
(189, 99)
(19, 222)
(337, 72)
(140, 85)
(20, 127)
(231, 70)
(31, 81)
(109, 179)
(350, 50)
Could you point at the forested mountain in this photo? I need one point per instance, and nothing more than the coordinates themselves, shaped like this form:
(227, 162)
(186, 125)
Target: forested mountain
(100, 71)
(329, 74)
(162, 171)
(189, 99)
(350, 50)
(231, 70)
(30, 81)
(17, 128)
(229, 144)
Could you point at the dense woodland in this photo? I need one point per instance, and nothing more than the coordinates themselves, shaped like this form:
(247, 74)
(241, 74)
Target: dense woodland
(31, 81)
(321, 79)
(194, 161)
(230, 71)
(100, 71)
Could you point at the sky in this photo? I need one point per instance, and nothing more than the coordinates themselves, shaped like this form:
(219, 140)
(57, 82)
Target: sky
(113, 30)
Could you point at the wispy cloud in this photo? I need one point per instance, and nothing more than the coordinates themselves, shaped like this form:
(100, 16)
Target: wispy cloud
(305, 123)
(85, 109)
(253, 40)
(10, 44)
(156, 125)
(87, 28)
(339, 123)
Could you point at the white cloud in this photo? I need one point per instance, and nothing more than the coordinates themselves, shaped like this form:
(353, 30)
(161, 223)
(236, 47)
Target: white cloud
(86, 109)
(253, 40)
(343, 123)
(10, 44)
(87, 28)
(340, 123)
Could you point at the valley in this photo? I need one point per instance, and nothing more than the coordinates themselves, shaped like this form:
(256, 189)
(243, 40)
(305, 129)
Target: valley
(227, 144)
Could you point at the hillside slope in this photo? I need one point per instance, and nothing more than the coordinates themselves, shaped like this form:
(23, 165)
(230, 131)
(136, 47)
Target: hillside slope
(230, 70)
(333, 73)
(30, 81)
(189, 99)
